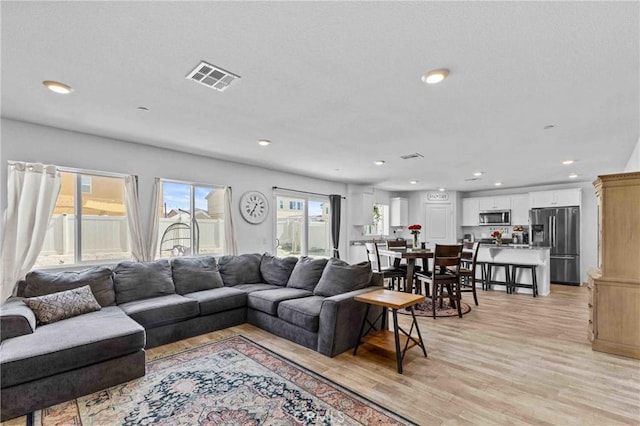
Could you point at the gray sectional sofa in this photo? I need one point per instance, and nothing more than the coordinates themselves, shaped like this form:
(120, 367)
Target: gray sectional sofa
(48, 356)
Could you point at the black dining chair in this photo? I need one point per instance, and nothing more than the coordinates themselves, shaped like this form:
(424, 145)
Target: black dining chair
(445, 275)
(394, 274)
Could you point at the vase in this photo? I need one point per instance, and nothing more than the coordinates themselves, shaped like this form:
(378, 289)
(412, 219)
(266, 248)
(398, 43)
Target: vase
(498, 242)
(415, 241)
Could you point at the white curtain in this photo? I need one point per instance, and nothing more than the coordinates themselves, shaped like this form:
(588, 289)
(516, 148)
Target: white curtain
(154, 220)
(32, 191)
(139, 247)
(230, 246)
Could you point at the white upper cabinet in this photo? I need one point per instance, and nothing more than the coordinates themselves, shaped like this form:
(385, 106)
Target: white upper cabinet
(520, 209)
(399, 212)
(361, 206)
(495, 203)
(470, 210)
(558, 198)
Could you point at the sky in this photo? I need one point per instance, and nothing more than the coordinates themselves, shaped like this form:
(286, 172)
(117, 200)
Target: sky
(177, 195)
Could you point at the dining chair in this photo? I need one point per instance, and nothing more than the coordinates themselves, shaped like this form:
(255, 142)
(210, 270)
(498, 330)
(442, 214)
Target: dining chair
(388, 271)
(445, 274)
(468, 263)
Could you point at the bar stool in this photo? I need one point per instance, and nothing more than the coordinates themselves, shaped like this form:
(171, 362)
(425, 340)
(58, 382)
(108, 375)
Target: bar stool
(507, 274)
(483, 275)
(534, 280)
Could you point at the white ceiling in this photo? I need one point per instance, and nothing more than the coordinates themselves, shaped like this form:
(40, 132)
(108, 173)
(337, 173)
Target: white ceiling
(336, 85)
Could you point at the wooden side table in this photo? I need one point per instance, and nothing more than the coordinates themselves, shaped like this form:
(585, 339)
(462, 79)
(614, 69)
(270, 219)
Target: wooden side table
(386, 339)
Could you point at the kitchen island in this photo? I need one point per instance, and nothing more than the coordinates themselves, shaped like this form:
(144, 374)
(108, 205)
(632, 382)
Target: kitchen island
(518, 254)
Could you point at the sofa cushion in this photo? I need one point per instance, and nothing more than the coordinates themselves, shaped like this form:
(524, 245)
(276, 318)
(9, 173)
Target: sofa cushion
(219, 299)
(16, 319)
(339, 277)
(307, 273)
(276, 270)
(141, 280)
(267, 301)
(157, 311)
(191, 274)
(100, 280)
(70, 344)
(243, 269)
(62, 305)
(250, 288)
(304, 312)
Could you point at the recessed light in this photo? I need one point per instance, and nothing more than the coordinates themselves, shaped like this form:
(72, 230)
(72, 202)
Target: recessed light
(573, 175)
(413, 182)
(478, 173)
(498, 184)
(264, 142)
(441, 189)
(435, 76)
(378, 162)
(56, 86)
(567, 162)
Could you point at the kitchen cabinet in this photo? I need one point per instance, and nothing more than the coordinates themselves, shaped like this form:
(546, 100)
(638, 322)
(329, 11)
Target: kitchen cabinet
(357, 253)
(557, 198)
(470, 210)
(361, 207)
(614, 287)
(495, 203)
(520, 209)
(399, 212)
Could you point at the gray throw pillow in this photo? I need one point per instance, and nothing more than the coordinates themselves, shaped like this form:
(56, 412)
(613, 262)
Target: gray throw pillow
(65, 304)
(276, 270)
(100, 280)
(243, 269)
(307, 273)
(339, 277)
(141, 280)
(191, 274)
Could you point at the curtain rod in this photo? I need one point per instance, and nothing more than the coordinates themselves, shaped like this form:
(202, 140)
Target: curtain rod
(303, 192)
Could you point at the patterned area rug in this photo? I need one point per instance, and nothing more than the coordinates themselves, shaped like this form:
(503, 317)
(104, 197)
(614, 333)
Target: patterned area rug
(230, 382)
(424, 309)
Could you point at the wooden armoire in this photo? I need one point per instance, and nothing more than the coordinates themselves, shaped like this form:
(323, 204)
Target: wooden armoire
(614, 287)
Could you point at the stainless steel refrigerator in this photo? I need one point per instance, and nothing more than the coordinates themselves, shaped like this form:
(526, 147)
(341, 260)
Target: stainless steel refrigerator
(559, 229)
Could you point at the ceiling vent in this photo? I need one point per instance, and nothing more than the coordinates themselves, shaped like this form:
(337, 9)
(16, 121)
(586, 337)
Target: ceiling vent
(212, 76)
(471, 179)
(409, 156)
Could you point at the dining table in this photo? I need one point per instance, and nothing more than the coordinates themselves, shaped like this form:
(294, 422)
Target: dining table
(410, 255)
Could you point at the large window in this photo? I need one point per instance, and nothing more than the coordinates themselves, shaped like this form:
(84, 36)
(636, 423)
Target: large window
(380, 223)
(89, 223)
(303, 226)
(191, 220)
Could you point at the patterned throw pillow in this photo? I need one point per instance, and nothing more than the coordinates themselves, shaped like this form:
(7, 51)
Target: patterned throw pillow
(65, 304)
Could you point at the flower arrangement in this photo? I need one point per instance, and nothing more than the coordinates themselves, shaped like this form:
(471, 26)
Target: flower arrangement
(498, 236)
(415, 230)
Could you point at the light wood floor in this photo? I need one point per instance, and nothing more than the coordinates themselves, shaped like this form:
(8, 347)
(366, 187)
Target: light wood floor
(512, 360)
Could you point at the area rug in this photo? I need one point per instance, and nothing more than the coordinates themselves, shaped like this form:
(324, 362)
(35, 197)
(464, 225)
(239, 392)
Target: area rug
(230, 382)
(424, 309)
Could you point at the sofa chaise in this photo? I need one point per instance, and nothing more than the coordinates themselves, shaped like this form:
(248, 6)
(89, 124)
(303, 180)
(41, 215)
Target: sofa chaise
(69, 334)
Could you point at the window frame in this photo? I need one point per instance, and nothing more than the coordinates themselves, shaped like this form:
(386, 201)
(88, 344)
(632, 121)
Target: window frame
(194, 240)
(79, 264)
(305, 228)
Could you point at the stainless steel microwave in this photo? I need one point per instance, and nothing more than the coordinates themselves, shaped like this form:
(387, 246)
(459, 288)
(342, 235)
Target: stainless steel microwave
(495, 217)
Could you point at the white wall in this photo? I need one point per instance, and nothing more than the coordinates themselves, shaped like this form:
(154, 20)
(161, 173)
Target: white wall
(633, 165)
(30, 142)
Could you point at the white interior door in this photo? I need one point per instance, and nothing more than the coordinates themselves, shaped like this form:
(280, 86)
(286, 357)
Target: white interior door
(439, 224)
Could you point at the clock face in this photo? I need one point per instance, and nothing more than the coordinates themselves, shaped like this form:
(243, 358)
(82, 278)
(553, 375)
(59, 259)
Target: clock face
(254, 206)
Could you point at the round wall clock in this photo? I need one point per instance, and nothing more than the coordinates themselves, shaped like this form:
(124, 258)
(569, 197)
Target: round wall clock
(254, 207)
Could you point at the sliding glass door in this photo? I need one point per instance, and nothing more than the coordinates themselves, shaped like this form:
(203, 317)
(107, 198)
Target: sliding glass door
(302, 226)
